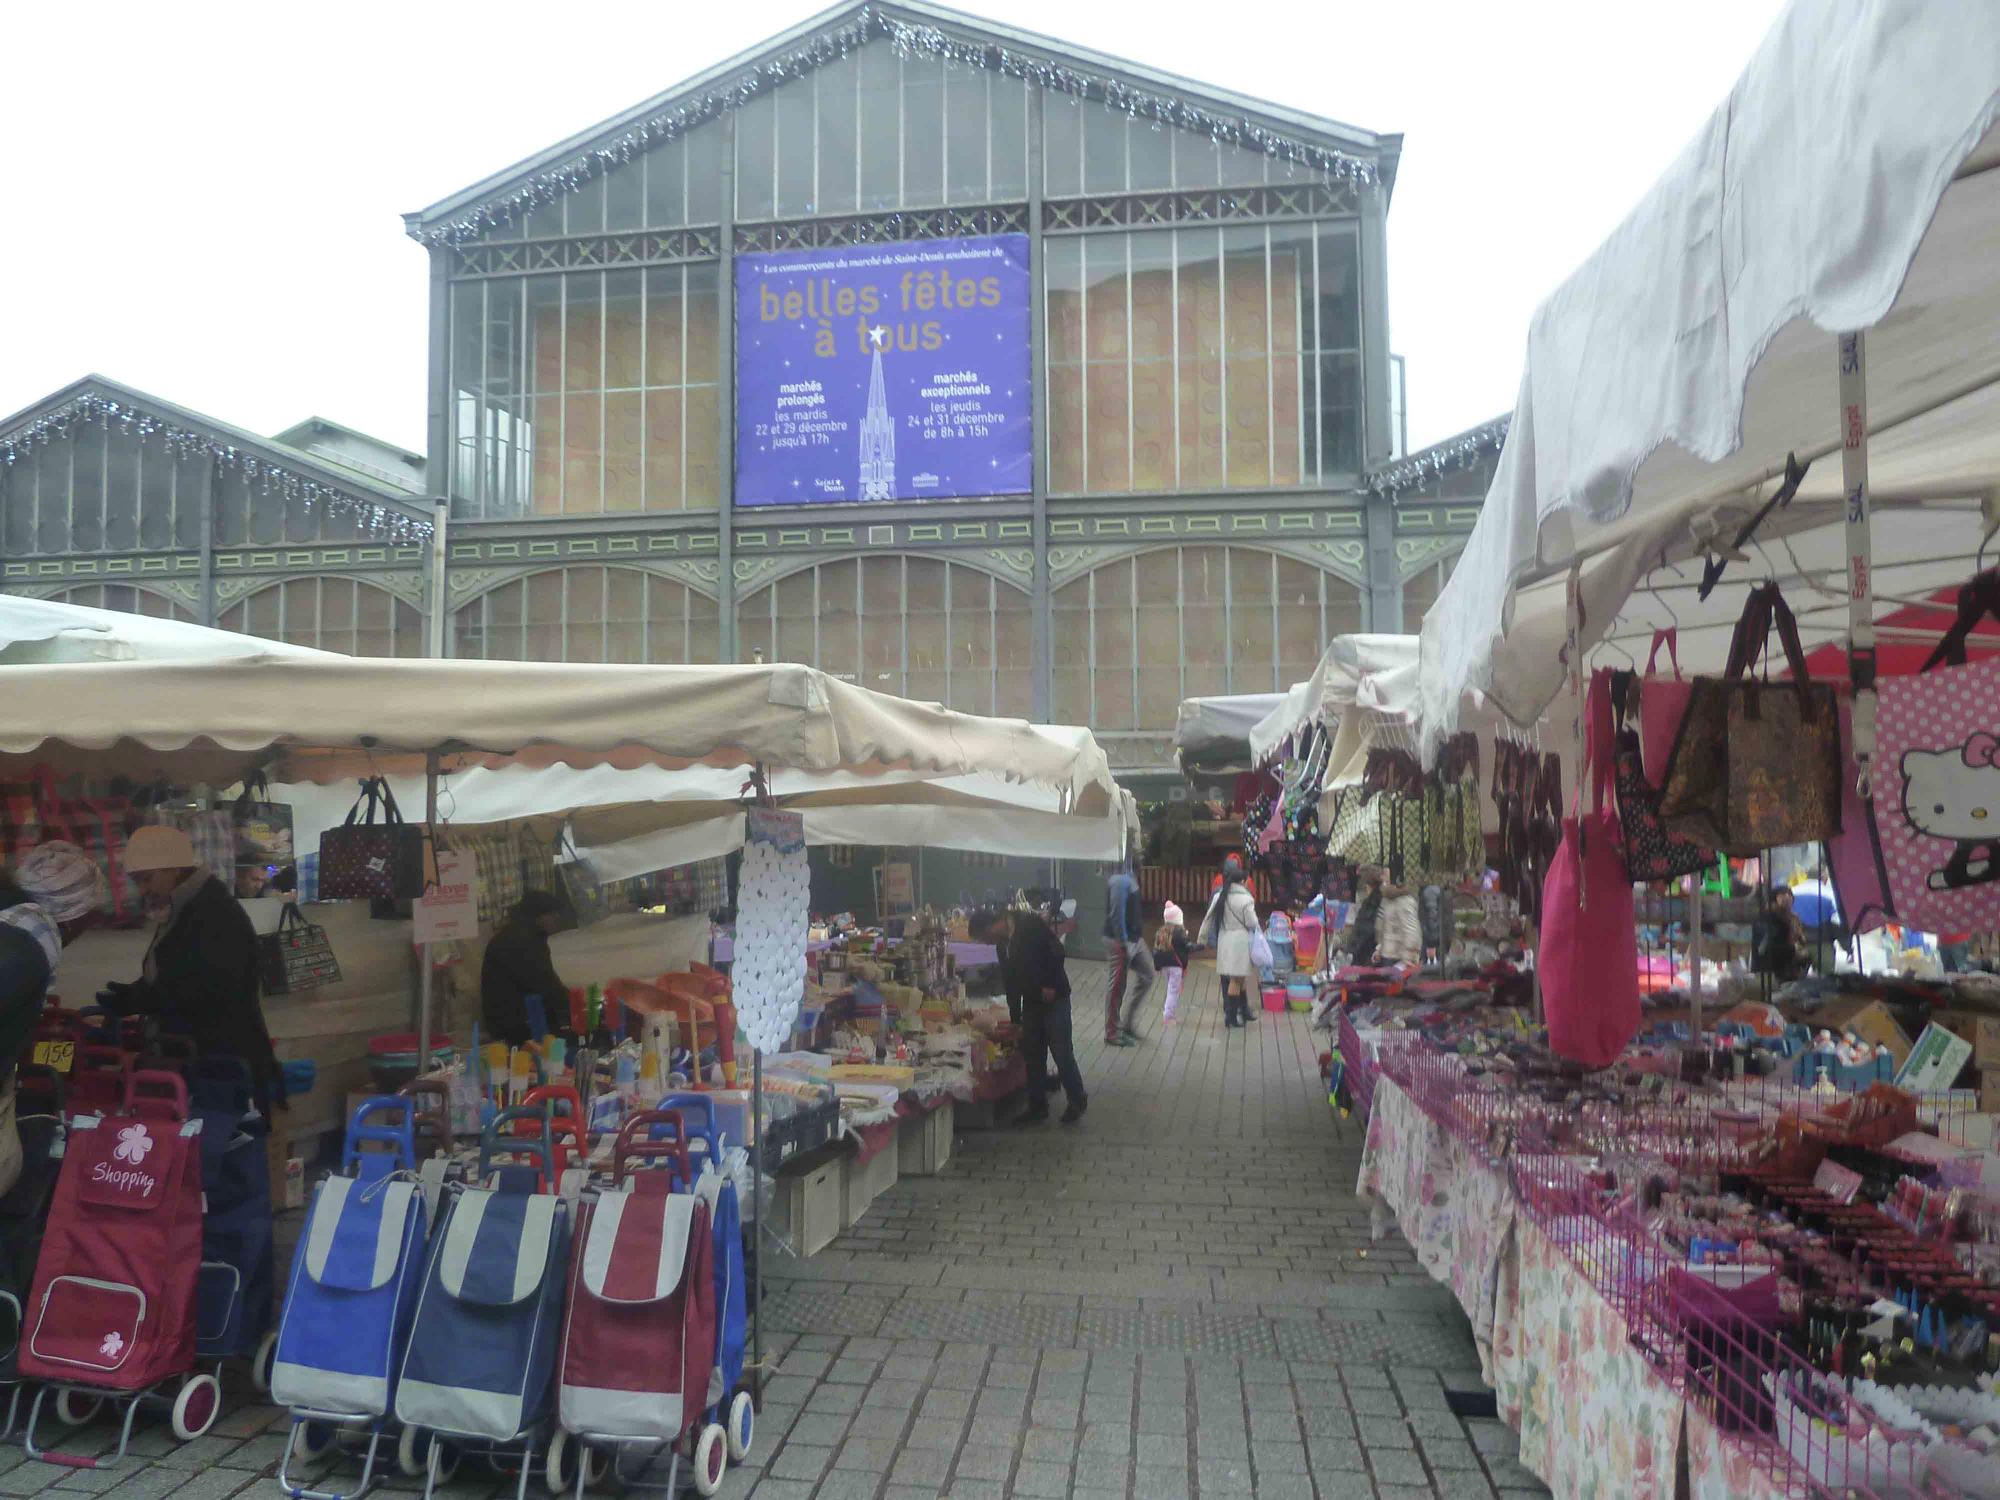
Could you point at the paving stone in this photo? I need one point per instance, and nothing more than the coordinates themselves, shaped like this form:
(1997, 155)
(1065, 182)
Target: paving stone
(984, 1461)
(848, 1484)
(824, 1432)
(921, 1466)
(1396, 1468)
(871, 1454)
(801, 1461)
(1046, 1481)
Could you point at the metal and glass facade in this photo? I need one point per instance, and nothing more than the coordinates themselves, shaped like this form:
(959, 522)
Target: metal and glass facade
(1209, 351)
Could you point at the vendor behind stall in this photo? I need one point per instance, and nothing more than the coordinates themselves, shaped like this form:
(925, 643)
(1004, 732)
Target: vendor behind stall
(201, 968)
(47, 899)
(519, 966)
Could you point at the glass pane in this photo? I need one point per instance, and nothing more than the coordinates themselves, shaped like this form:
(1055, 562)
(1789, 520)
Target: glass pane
(86, 489)
(1112, 647)
(624, 195)
(704, 175)
(704, 629)
(1070, 667)
(927, 637)
(1203, 625)
(1013, 654)
(663, 451)
(583, 209)
(506, 612)
(1299, 643)
(545, 221)
(374, 620)
(542, 634)
(191, 479)
(703, 311)
(262, 613)
(1241, 167)
(121, 492)
(17, 507)
(795, 148)
(232, 505)
(753, 627)
(1340, 413)
(1253, 647)
(666, 185)
(923, 131)
(586, 614)
(1008, 107)
(156, 496)
(1157, 585)
(1344, 607)
(583, 333)
(1198, 329)
(544, 362)
(882, 623)
(468, 632)
(666, 604)
(755, 181)
(881, 126)
(336, 624)
(1154, 452)
(267, 510)
(409, 630)
(1194, 162)
(1107, 346)
(839, 635)
(583, 454)
(702, 436)
(1103, 150)
(624, 434)
(797, 619)
(1150, 155)
(836, 83)
(1062, 157)
(965, 134)
(1339, 291)
(622, 329)
(969, 641)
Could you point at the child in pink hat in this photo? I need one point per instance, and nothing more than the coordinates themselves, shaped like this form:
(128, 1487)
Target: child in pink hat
(1170, 957)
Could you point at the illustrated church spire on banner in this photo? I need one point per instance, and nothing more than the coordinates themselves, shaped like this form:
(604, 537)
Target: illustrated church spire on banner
(878, 433)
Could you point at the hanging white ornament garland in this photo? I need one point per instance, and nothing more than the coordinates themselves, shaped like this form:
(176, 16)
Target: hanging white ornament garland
(769, 977)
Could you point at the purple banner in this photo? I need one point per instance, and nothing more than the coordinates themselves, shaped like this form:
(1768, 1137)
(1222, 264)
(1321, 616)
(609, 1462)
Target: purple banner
(883, 372)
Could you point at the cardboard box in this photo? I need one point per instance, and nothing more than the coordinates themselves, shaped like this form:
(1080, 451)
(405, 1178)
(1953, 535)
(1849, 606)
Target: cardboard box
(1989, 1092)
(806, 1206)
(1935, 1062)
(1868, 1019)
(866, 1181)
(1986, 1042)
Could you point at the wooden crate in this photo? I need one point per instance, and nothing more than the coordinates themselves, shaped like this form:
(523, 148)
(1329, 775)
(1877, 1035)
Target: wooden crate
(806, 1205)
(923, 1145)
(865, 1182)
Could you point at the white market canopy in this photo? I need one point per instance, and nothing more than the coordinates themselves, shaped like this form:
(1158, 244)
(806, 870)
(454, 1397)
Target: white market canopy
(1376, 674)
(41, 631)
(334, 718)
(1213, 734)
(1848, 183)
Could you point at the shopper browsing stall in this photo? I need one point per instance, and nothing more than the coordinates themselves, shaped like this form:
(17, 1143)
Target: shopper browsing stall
(201, 968)
(1131, 960)
(1033, 966)
(519, 968)
(44, 902)
(1231, 919)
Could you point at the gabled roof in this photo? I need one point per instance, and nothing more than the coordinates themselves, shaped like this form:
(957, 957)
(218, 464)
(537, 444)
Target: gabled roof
(95, 397)
(1327, 144)
(1466, 450)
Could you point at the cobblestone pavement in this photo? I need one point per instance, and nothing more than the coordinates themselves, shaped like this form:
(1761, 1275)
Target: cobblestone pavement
(1176, 1298)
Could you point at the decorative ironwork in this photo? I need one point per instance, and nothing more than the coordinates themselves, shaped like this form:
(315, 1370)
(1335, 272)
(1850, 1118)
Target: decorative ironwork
(638, 247)
(883, 229)
(1300, 200)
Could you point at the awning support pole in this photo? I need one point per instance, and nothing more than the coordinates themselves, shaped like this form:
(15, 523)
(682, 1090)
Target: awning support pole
(425, 975)
(1853, 356)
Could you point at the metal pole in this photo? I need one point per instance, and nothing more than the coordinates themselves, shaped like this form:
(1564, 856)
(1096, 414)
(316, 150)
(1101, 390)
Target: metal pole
(1694, 961)
(757, 1201)
(425, 977)
(1853, 359)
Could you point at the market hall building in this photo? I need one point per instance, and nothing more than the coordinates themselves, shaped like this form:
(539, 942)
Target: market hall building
(949, 359)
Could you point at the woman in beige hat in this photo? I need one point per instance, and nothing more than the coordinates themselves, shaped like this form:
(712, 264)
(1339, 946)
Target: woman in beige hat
(202, 965)
(52, 893)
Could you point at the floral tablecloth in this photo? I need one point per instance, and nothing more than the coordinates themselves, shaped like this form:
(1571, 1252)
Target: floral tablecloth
(1721, 1470)
(1455, 1210)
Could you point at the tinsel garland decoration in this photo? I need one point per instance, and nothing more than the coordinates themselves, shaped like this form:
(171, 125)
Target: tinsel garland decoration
(1428, 465)
(910, 39)
(380, 521)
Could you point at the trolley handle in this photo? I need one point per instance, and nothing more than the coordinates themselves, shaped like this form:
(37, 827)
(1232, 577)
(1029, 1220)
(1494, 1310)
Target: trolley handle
(434, 1115)
(637, 1143)
(703, 1105)
(399, 1137)
(150, 1091)
(496, 1140)
(96, 1057)
(565, 1105)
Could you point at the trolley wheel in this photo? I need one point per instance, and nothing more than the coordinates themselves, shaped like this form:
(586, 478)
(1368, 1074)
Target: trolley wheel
(413, 1455)
(74, 1407)
(195, 1407)
(711, 1460)
(261, 1362)
(565, 1452)
(742, 1425)
(315, 1440)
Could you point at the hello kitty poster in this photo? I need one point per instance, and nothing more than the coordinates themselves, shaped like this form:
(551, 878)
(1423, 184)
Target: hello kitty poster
(1937, 796)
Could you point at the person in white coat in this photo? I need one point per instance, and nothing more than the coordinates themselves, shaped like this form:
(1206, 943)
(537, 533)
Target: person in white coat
(1231, 919)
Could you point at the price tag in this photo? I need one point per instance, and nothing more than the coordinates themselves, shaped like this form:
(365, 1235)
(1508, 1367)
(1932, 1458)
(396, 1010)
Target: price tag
(58, 1055)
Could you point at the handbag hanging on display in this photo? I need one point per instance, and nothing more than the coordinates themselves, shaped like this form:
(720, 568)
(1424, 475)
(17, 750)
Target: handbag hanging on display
(1653, 851)
(365, 860)
(577, 884)
(1757, 763)
(1663, 704)
(1936, 806)
(264, 848)
(1589, 958)
(298, 956)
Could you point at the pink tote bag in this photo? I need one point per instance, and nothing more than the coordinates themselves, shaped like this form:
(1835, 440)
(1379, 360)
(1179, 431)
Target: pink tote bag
(1663, 703)
(1589, 958)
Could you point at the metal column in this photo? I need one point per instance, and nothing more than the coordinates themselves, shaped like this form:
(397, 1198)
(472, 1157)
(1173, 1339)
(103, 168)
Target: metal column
(1038, 596)
(725, 396)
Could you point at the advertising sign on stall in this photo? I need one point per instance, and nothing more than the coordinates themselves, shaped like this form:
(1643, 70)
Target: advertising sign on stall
(883, 372)
(449, 910)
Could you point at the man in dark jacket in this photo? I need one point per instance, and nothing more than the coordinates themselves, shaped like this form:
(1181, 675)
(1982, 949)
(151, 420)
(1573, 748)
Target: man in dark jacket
(518, 964)
(202, 966)
(1032, 963)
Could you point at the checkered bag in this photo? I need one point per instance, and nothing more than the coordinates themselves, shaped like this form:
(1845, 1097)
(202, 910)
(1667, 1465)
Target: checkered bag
(497, 857)
(20, 819)
(96, 825)
(212, 832)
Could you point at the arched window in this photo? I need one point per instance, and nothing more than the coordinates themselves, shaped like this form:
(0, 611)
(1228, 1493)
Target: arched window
(332, 614)
(919, 627)
(1421, 590)
(589, 614)
(130, 600)
(1134, 637)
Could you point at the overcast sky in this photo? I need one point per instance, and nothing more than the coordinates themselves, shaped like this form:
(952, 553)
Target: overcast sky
(203, 199)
